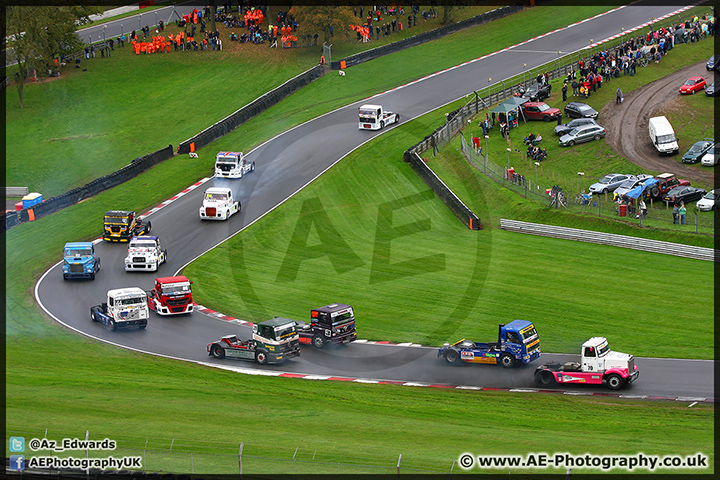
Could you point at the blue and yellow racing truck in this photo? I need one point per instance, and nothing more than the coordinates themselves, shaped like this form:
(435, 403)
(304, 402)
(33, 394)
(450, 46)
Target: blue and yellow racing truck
(517, 343)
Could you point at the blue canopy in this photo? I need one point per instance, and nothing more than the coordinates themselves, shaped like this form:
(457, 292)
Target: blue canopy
(637, 191)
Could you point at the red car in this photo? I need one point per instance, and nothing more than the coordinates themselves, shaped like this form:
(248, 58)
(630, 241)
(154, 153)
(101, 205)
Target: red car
(540, 111)
(692, 85)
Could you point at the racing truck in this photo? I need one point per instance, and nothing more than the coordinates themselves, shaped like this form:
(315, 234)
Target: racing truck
(334, 323)
(145, 254)
(518, 342)
(171, 296)
(273, 341)
(124, 307)
(598, 365)
(122, 225)
(218, 204)
(373, 117)
(232, 165)
(80, 261)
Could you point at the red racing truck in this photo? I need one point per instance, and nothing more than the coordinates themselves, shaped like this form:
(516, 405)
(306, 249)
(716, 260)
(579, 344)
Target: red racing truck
(334, 323)
(171, 296)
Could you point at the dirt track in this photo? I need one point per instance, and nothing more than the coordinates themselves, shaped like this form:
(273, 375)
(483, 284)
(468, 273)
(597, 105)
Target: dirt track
(627, 124)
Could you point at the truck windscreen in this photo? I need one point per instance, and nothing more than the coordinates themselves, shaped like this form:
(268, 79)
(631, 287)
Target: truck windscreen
(116, 220)
(131, 301)
(78, 252)
(284, 331)
(175, 288)
(341, 317)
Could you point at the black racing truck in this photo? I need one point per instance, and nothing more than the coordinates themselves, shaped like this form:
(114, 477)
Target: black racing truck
(334, 323)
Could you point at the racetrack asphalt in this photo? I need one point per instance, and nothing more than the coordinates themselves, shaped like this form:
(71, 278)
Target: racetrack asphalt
(286, 164)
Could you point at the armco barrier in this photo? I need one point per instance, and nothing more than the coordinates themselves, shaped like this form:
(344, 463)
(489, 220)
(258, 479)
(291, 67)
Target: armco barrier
(636, 243)
(443, 192)
(427, 36)
(136, 167)
(260, 104)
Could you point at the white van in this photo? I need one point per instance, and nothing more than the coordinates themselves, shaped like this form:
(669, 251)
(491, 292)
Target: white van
(662, 135)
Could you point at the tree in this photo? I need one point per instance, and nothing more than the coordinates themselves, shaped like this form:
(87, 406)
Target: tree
(39, 34)
(327, 19)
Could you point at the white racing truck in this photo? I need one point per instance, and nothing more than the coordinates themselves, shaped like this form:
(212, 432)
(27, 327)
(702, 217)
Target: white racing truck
(373, 117)
(144, 254)
(124, 307)
(598, 365)
(218, 204)
(232, 165)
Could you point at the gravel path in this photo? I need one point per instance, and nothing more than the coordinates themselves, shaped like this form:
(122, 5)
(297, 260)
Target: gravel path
(627, 124)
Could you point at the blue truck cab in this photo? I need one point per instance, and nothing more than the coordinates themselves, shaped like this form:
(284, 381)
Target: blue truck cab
(518, 343)
(80, 261)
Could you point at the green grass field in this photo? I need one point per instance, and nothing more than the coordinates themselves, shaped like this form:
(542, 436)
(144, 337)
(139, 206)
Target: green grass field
(67, 384)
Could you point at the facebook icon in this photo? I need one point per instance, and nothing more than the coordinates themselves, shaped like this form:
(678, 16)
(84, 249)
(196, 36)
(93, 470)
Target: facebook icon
(17, 462)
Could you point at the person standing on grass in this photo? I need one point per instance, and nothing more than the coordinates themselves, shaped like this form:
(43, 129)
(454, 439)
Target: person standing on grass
(682, 211)
(564, 91)
(676, 208)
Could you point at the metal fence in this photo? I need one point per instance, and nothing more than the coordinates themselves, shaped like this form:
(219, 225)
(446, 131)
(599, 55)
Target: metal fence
(167, 456)
(659, 215)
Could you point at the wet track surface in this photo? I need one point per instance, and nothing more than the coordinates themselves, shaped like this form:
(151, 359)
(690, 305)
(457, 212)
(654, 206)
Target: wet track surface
(286, 164)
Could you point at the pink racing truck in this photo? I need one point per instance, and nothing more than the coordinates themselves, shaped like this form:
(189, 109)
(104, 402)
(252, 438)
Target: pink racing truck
(598, 365)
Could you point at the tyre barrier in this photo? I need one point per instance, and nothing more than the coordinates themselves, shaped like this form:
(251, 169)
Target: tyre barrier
(443, 192)
(421, 38)
(257, 106)
(51, 205)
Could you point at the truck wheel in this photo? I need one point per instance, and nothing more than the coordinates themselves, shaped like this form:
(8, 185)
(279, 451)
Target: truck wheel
(318, 341)
(397, 118)
(148, 227)
(614, 381)
(252, 167)
(111, 325)
(241, 173)
(142, 327)
(507, 360)
(545, 378)
(452, 357)
(92, 316)
(261, 358)
(382, 124)
(217, 351)
(92, 276)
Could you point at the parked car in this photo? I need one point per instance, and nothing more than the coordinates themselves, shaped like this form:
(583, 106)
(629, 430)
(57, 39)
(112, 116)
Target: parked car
(697, 151)
(666, 182)
(684, 194)
(580, 110)
(536, 92)
(692, 85)
(709, 201)
(710, 158)
(711, 90)
(712, 62)
(565, 128)
(631, 183)
(608, 183)
(539, 111)
(582, 134)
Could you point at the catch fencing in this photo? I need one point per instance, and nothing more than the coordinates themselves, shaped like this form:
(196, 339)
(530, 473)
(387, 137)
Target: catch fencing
(165, 456)
(421, 38)
(558, 195)
(257, 106)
